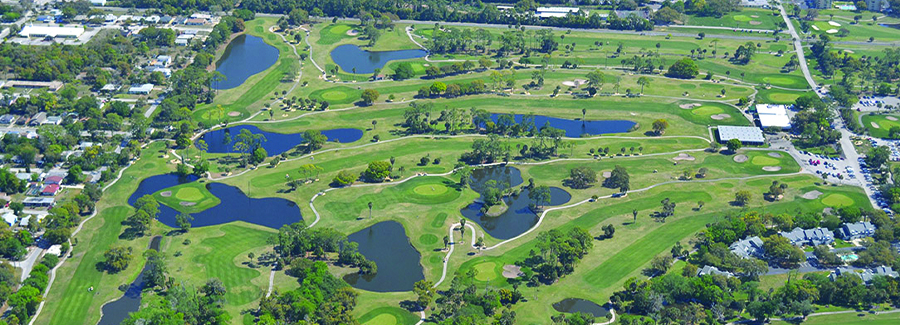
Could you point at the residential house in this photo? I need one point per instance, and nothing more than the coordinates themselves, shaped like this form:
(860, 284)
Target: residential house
(850, 231)
(184, 39)
(712, 270)
(9, 218)
(38, 119)
(865, 275)
(748, 247)
(54, 120)
(39, 202)
(50, 190)
(7, 119)
(144, 89)
(812, 237)
(53, 180)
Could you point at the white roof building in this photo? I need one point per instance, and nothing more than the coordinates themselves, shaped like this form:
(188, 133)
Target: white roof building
(773, 116)
(51, 31)
(100, 3)
(746, 134)
(9, 218)
(141, 89)
(547, 12)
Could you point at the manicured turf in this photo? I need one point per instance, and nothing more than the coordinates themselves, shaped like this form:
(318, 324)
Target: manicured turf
(388, 316)
(337, 95)
(884, 124)
(428, 239)
(194, 193)
(334, 33)
(428, 189)
(764, 161)
(837, 200)
(487, 271)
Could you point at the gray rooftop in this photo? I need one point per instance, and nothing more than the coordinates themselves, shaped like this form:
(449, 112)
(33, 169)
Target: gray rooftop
(712, 270)
(742, 133)
(747, 247)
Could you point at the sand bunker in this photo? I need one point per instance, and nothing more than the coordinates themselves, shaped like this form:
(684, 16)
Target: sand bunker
(352, 32)
(772, 168)
(754, 16)
(720, 117)
(574, 83)
(741, 158)
(815, 27)
(755, 23)
(832, 31)
(166, 194)
(689, 106)
(684, 156)
(875, 125)
(607, 174)
(849, 51)
(811, 195)
(187, 204)
(891, 118)
(832, 23)
(512, 271)
(234, 113)
(568, 83)
(775, 154)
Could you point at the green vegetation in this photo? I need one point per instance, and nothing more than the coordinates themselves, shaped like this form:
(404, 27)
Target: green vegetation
(188, 198)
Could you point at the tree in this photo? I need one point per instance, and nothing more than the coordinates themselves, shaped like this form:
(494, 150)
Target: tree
(425, 292)
(75, 175)
(683, 69)
(314, 140)
(659, 126)
(733, 145)
(618, 178)
(742, 197)
(608, 231)
(155, 274)
(595, 80)
(344, 178)
(781, 251)
(369, 96)
(117, 258)
(446, 241)
(581, 177)
(183, 220)
(404, 71)
(370, 209)
(643, 81)
(539, 196)
(377, 171)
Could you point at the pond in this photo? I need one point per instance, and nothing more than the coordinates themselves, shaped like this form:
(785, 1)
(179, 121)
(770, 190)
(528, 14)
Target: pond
(577, 128)
(350, 57)
(575, 305)
(245, 56)
(518, 217)
(222, 140)
(234, 206)
(116, 311)
(397, 260)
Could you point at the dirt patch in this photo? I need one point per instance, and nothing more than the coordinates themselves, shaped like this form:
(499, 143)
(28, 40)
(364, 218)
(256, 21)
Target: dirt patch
(849, 51)
(755, 23)
(772, 168)
(875, 125)
(684, 156)
(187, 204)
(607, 174)
(234, 113)
(720, 117)
(741, 158)
(512, 271)
(352, 32)
(166, 194)
(775, 154)
(811, 195)
(754, 16)
(891, 118)
(690, 106)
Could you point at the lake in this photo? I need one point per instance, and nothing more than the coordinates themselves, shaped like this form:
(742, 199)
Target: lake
(577, 128)
(234, 206)
(245, 56)
(397, 260)
(350, 56)
(275, 143)
(518, 217)
(575, 305)
(117, 311)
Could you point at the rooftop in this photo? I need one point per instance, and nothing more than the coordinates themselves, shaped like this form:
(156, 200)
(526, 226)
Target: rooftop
(742, 133)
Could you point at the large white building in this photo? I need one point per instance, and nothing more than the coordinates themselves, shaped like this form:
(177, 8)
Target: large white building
(745, 134)
(548, 12)
(773, 116)
(52, 31)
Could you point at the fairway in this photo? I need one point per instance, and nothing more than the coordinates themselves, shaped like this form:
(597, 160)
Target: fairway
(837, 200)
(884, 123)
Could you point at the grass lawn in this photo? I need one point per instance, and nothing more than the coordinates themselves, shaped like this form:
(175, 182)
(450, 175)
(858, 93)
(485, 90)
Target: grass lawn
(852, 318)
(388, 316)
(779, 96)
(188, 197)
(884, 124)
(748, 18)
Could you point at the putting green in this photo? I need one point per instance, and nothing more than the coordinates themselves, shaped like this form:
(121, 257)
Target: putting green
(430, 189)
(779, 80)
(707, 110)
(783, 97)
(383, 319)
(741, 18)
(339, 29)
(837, 200)
(487, 271)
(334, 95)
(764, 161)
(428, 239)
(189, 194)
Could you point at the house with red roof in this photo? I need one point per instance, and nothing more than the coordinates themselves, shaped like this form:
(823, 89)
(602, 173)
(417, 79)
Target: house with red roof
(53, 180)
(50, 190)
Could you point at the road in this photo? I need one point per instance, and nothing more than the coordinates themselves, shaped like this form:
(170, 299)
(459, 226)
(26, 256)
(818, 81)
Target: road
(28, 263)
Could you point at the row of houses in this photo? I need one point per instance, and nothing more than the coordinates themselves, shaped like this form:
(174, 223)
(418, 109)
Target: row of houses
(866, 275)
(753, 246)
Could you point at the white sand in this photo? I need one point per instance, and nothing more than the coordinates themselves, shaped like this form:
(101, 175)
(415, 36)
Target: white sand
(772, 168)
(875, 125)
(684, 156)
(832, 31)
(720, 116)
(891, 118)
(741, 158)
(834, 24)
(815, 27)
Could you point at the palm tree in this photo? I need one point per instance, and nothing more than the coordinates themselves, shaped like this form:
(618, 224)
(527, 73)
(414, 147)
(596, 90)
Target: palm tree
(370, 210)
(216, 77)
(583, 111)
(374, 122)
(634, 214)
(643, 81)
(462, 230)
